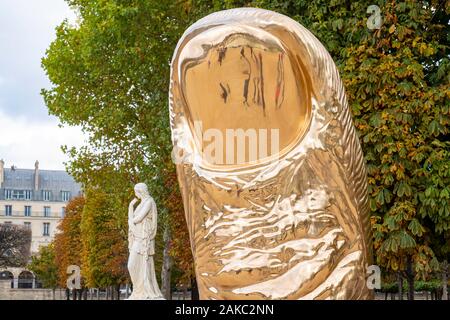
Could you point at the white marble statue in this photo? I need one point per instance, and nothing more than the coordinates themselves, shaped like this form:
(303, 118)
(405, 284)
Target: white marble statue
(142, 224)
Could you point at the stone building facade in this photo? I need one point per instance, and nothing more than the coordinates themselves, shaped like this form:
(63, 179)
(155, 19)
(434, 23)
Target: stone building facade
(37, 199)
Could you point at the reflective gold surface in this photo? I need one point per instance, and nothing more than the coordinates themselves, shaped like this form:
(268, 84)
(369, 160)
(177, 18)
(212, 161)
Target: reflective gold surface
(290, 224)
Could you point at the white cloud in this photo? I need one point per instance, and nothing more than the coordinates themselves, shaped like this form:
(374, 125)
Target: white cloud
(27, 133)
(23, 142)
(27, 27)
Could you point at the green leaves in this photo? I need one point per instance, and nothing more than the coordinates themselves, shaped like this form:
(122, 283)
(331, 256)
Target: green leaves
(384, 196)
(398, 240)
(445, 193)
(434, 128)
(375, 120)
(404, 126)
(403, 189)
(416, 228)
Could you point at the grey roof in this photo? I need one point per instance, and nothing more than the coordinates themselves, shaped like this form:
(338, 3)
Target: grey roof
(49, 180)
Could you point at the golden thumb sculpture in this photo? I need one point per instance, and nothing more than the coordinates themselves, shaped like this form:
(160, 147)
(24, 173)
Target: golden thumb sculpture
(270, 167)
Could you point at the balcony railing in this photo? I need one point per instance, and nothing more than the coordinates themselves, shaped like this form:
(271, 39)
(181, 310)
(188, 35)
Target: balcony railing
(35, 199)
(34, 214)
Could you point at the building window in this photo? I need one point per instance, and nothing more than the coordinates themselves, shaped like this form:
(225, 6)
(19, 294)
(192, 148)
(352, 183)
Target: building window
(8, 222)
(8, 210)
(18, 194)
(8, 194)
(65, 195)
(46, 231)
(25, 280)
(63, 212)
(27, 211)
(28, 194)
(46, 195)
(27, 225)
(46, 211)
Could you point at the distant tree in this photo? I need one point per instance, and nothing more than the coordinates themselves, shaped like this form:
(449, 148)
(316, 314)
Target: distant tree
(15, 242)
(45, 268)
(125, 69)
(110, 76)
(105, 253)
(67, 243)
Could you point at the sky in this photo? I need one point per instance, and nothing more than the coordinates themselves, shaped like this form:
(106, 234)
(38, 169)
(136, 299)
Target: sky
(27, 132)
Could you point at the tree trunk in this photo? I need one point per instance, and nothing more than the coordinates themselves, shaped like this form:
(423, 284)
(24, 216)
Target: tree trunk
(445, 280)
(194, 290)
(400, 285)
(166, 266)
(118, 291)
(410, 278)
(54, 293)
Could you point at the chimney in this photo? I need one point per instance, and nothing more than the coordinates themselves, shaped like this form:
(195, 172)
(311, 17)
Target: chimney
(36, 175)
(2, 174)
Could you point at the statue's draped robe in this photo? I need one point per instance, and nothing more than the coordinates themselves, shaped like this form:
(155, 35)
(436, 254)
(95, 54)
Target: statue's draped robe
(141, 242)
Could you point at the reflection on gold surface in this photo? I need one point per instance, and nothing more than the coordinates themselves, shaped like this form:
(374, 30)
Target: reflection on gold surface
(248, 87)
(286, 224)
